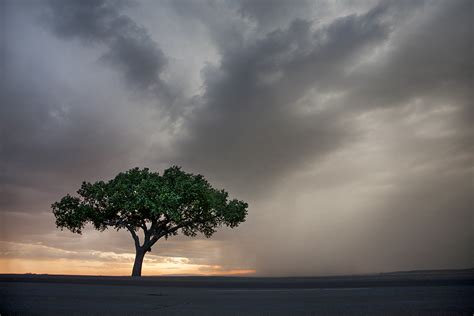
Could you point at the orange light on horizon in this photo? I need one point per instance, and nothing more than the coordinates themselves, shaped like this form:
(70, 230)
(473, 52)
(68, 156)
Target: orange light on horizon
(80, 267)
(41, 259)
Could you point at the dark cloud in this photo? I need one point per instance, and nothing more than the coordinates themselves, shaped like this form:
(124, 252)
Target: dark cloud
(432, 55)
(249, 128)
(225, 28)
(59, 123)
(274, 13)
(129, 47)
(44, 136)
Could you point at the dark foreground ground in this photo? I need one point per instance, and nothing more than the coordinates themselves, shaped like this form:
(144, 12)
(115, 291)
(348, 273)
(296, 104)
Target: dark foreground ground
(409, 293)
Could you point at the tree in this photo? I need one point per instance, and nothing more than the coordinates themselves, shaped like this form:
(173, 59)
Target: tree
(160, 205)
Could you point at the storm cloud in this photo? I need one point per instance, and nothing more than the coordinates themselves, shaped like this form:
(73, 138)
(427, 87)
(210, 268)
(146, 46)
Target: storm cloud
(252, 126)
(128, 46)
(347, 126)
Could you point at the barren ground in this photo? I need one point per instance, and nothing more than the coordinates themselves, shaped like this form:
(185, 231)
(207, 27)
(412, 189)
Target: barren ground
(412, 293)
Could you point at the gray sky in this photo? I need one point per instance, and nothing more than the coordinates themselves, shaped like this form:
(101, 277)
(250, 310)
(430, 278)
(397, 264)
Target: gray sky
(346, 125)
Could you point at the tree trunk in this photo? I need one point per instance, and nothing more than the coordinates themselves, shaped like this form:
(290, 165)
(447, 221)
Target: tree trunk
(137, 265)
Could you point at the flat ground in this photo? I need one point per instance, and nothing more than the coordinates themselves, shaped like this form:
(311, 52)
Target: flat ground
(414, 293)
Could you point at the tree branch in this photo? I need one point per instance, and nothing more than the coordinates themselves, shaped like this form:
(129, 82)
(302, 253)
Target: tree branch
(151, 242)
(172, 230)
(143, 225)
(162, 224)
(156, 237)
(134, 235)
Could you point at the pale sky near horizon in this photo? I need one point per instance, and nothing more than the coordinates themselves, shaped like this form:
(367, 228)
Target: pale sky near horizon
(346, 125)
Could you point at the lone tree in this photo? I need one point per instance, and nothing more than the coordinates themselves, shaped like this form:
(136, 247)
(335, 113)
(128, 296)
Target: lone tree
(160, 205)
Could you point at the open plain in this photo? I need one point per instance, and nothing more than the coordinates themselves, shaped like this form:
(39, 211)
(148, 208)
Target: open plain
(407, 293)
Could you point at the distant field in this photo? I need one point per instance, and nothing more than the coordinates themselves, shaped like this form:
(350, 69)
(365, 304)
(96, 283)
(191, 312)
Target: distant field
(410, 293)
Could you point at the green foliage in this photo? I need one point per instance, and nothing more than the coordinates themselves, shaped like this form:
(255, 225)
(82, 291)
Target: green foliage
(159, 204)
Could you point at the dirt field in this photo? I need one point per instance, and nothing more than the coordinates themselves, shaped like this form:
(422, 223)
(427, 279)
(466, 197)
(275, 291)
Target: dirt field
(421, 293)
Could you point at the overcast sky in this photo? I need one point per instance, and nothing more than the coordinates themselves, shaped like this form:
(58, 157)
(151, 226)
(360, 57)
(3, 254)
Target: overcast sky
(346, 125)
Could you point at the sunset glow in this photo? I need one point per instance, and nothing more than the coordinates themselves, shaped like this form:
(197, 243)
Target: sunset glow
(101, 263)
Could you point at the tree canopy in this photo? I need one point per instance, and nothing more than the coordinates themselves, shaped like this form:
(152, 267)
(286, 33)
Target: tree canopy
(160, 205)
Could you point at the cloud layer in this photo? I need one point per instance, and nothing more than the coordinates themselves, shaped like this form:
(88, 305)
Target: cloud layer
(129, 47)
(347, 127)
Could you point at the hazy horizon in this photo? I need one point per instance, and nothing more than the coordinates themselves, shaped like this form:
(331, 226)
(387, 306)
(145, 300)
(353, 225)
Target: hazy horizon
(346, 125)
(250, 274)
